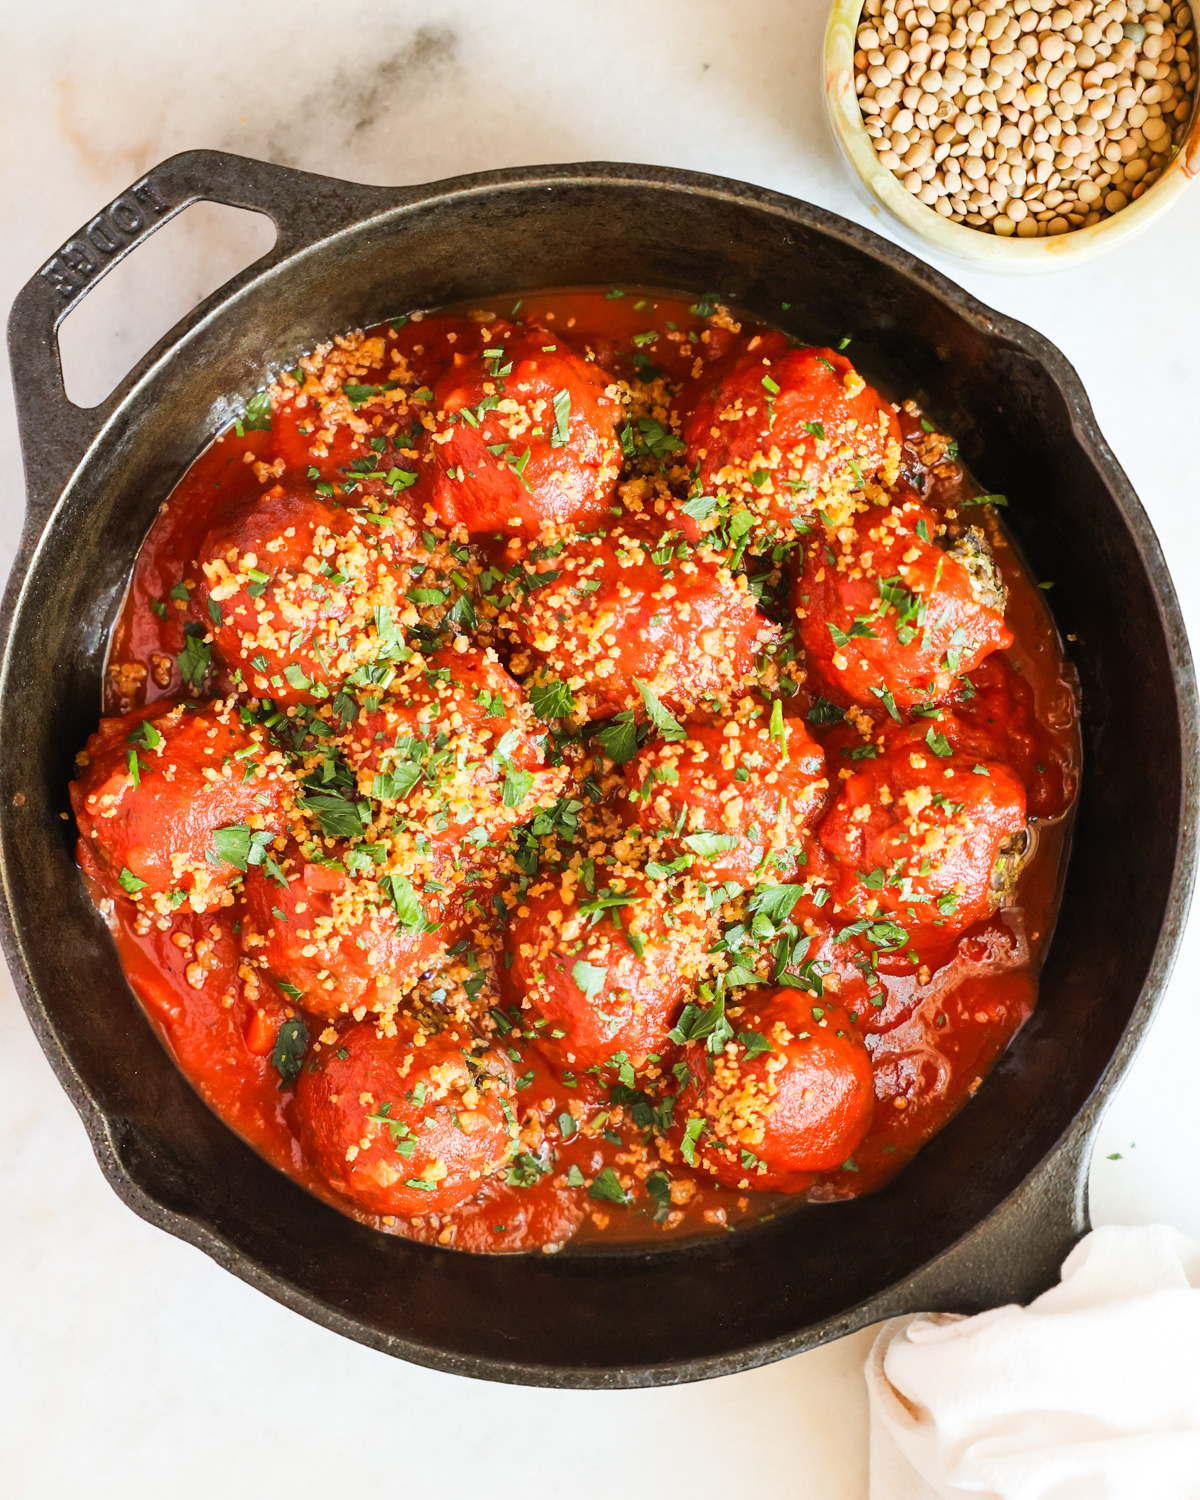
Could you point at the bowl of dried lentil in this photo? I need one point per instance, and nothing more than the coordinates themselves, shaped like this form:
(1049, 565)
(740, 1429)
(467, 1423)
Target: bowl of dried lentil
(1023, 135)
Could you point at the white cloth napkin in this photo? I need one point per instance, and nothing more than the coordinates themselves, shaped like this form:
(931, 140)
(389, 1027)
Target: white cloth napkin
(1092, 1392)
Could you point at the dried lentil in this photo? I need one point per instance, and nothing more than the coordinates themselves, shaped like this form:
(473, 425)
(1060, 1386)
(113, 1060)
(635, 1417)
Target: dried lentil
(1020, 118)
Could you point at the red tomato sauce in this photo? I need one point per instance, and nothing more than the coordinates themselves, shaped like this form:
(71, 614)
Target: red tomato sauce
(592, 1154)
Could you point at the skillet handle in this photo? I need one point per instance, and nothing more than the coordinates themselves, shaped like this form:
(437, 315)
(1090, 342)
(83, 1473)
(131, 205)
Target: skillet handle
(55, 433)
(1015, 1255)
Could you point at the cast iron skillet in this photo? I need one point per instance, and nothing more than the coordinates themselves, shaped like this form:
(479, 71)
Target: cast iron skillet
(991, 1205)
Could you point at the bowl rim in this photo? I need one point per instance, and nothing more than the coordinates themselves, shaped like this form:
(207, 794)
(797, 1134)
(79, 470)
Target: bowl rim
(995, 252)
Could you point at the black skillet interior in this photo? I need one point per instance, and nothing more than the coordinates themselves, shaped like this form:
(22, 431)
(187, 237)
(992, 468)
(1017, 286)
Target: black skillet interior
(626, 1316)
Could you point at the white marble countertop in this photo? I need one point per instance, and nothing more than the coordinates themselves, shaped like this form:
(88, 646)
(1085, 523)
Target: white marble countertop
(130, 1365)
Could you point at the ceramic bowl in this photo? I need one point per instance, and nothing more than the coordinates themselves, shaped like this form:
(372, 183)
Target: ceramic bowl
(991, 251)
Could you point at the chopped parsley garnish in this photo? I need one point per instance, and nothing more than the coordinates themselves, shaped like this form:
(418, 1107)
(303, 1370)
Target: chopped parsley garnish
(193, 661)
(338, 818)
(824, 712)
(691, 1134)
(667, 725)
(860, 627)
(699, 506)
(562, 419)
(938, 743)
(885, 697)
(524, 1170)
(357, 394)
(775, 902)
(607, 1187)
(552, 699)
(257, 416)
(406, 904)
(658, 1186)
(755, 1044)
(291, 1043)
(658, 440)
(618, 738)
(778, 729)
(705, 845)
(589, 978)
(703, 1023)
(240, 845)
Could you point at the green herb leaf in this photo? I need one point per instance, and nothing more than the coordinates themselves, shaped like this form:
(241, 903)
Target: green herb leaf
(193, 661)
(407, 904)
(517, 786)
(291, 1043)
(607, 1188)
(589, 978)
(524, 1170)
(658, 439)
(658, 1186)
(232, 845)
(938, 743)
(667, 725)
(130, 884)
(562, 419)
(257, 416)
(551, 699)
(755, 1044)
(345, 707)
(691, 1134)
(698, 1023)
(705, 845)
(775, 902)
(357, 394)
(885, 697)
(699, 506)
(778, 729)
(399, 480)
(338, 818)
(618, 738)
(824, 712)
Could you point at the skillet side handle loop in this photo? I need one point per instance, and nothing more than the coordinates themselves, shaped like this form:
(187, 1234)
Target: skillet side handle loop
(1016, 1254)
(55, 433)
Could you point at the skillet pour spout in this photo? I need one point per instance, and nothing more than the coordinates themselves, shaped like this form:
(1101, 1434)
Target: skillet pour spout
(986, 1211)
